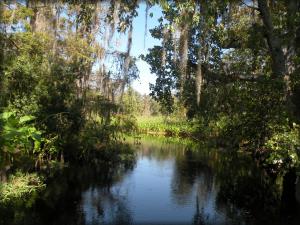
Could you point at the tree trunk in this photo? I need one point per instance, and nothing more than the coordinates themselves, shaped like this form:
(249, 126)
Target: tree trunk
(274, 43)
(31, 4)
(183, 51)
(56, 10)
(199, 79)
(202, 52)
(293, 6)
(288, 198)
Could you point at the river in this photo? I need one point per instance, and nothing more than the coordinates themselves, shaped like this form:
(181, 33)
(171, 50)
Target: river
(170, 182)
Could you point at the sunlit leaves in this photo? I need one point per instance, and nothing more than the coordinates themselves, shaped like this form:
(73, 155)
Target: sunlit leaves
(282, 147)
(17, 134)
(12, 13)
(26, 118)
(79, 49)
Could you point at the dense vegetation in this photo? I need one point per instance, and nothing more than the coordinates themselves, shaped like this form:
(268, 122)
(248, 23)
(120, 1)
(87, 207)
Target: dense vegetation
(59, 99)
(226, 70)
(234, 66)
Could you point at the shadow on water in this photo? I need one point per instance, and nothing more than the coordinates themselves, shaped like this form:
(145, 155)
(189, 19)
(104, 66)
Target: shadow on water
(170, 183)
(61, 202)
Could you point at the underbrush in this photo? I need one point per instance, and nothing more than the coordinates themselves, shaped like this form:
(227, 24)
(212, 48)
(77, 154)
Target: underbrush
(96, 143)
(21, 186)
(104, 142)
(275, 146)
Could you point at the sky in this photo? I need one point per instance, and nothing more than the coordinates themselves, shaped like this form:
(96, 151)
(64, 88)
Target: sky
(142, 85)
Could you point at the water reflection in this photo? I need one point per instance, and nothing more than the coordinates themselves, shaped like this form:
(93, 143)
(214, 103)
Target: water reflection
(180, 184)
(170, 183)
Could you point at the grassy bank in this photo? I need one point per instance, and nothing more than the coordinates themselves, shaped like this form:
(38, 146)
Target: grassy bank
(167, 126)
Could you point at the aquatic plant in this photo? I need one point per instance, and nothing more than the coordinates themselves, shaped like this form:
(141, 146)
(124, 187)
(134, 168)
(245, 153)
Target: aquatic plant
(20, 186)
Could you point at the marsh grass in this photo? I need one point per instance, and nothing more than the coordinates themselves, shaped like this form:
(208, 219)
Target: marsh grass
(168, 126)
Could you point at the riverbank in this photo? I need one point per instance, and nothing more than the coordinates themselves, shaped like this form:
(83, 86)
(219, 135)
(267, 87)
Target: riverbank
(22, 181)
(277, 156)
(166, 126)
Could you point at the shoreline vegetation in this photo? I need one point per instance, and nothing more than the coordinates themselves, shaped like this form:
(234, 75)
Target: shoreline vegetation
(112, 149)
(166, 126)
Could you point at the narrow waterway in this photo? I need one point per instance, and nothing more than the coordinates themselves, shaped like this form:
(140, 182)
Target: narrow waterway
(169, 183)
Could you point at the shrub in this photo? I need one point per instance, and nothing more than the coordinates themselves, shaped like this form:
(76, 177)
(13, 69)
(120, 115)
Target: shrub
(282, 149)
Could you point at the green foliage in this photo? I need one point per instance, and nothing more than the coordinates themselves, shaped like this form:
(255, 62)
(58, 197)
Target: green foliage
(103, 142)
(132, 102)
(169, 126)
(20, 186)
(244, 104)
(124, 123)
(283, 149)
(18, 134)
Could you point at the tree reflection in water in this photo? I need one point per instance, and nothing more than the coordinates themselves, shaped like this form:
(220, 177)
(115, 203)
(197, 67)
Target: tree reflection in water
(171, 183)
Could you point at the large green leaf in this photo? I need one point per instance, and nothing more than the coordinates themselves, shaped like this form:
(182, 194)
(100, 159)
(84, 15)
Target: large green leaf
(26, 118)
(6, 115)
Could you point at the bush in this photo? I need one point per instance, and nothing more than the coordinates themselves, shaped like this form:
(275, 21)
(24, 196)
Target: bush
(282, 149)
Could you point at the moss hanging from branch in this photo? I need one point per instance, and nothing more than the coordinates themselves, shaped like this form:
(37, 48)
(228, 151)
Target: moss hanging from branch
(187, 13)
(127, 60)
(164, 40)
(146, 21)
(115, 19)
(129, 45)
(175, 38)
(183, 54)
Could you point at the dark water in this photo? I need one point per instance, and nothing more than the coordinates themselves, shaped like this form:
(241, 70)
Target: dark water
(169, 183)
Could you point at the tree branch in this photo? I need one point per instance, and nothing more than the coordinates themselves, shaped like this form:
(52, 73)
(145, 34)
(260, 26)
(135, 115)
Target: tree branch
(223, 76)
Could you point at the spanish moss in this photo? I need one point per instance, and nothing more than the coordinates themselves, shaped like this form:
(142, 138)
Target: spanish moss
(146, 22)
